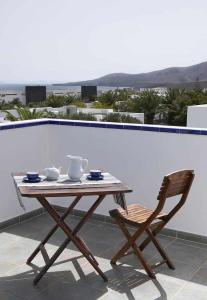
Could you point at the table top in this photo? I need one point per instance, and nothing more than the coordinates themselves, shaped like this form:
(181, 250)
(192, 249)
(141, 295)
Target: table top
(86, 191)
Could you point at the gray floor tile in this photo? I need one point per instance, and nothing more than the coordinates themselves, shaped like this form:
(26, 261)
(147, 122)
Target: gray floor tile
(192, 291)
(188, 254)
(72, 277)
(64, 291)
(182, 270)
(101, 233)
(193, 244)
(200, 276)
(19, 283)
(5, 267)
(17, 252)
(7, 238)
(8, 296)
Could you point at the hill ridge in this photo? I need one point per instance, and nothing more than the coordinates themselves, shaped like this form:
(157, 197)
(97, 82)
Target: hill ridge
(171, 76)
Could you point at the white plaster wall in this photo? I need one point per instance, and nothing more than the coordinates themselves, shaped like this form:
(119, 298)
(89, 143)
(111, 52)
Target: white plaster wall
(140, 159)
(197, 116)
(21, 149)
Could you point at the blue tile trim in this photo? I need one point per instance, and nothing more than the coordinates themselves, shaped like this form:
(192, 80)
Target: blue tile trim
(203, 132)
(132, 127)
(5, 127)
(97, 125)
(21, 124)
(168, 129)
(115, 126)
(70, 123)
(145, 128)
(190, 131)
(151, 128)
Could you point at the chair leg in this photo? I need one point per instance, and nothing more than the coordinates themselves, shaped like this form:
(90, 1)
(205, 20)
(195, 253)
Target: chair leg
(137, 251)
(160, 249)
(146, 242)
(127, 245)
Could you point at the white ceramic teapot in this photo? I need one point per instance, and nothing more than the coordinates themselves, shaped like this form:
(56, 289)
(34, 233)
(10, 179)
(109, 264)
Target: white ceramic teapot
(52, 173)
(77, 166)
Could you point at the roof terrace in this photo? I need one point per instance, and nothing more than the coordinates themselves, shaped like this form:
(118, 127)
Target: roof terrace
(140, 156)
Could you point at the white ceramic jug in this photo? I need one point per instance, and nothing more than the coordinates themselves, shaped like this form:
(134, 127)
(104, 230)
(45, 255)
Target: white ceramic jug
(77, 166)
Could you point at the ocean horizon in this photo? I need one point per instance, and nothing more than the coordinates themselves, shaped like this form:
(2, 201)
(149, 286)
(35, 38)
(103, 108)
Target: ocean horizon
(50, 87)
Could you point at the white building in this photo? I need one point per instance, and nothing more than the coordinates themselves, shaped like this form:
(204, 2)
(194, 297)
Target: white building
(197, 116)
(159, 90)
(72, 109)
(8, 96)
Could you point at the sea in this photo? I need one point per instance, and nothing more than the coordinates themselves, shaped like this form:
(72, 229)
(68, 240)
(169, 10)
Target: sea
(49, 87)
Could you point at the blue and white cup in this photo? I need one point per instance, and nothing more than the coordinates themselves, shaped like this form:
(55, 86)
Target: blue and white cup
(96, 174)
(32, 175)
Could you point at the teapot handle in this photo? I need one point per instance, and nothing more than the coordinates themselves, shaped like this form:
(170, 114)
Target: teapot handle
(84, 164)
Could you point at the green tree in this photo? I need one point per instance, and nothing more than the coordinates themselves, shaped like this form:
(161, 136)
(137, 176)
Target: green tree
(11, 104)
(78, 116)
(168, 108)
(173, 109)
(79, 103)
(110, 98)
(120, 118)
(54, 101)
(148, 103)
(100, 105)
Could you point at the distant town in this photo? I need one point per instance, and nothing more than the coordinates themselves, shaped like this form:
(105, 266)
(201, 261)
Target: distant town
(32, 93)
(157, 105)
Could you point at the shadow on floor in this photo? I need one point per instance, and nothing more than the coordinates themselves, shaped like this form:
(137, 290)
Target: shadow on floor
(72, 277)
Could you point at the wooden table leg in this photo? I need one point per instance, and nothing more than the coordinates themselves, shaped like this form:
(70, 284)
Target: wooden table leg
(71, 236)
(53, 230)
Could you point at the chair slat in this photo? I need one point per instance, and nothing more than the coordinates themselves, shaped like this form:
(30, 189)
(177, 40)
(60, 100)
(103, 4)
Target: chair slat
(176, 184)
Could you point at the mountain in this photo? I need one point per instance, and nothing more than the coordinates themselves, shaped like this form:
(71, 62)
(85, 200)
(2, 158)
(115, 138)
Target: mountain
(170, 77)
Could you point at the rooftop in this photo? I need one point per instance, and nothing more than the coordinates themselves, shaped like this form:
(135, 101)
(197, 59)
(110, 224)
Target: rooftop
(72, 277)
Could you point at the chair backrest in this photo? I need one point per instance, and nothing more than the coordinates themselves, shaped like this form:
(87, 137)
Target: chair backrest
(174, 184)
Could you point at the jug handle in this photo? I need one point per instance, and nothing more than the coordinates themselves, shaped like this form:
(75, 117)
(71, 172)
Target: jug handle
(84, 164)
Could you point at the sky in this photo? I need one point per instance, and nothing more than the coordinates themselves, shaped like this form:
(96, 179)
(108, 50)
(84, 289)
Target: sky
(72, 40)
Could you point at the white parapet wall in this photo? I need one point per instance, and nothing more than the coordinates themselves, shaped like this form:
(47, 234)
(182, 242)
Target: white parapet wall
(24, 149)
(139, 155)
(197, 116)
(140, 159)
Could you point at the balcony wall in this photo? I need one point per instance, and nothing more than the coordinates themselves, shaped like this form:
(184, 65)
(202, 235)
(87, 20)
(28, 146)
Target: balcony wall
(138, 155)
(24, 148)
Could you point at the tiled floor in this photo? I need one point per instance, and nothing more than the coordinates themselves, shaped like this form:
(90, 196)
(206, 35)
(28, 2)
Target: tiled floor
(73, 278)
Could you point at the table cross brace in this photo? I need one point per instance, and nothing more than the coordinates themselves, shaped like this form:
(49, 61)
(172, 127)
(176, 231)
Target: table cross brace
(71, 235)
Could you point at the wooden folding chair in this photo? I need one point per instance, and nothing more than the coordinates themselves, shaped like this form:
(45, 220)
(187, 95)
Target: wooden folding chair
(152, 221)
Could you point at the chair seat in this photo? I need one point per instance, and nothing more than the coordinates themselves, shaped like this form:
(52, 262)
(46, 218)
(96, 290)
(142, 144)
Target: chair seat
(137, 214)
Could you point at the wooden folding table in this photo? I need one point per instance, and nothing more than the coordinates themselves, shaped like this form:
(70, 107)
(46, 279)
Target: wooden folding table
(71, 234)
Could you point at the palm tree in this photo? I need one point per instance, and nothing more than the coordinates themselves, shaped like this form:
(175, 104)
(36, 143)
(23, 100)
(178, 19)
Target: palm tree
(169, 106)
(148, 103)
(25, 113)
